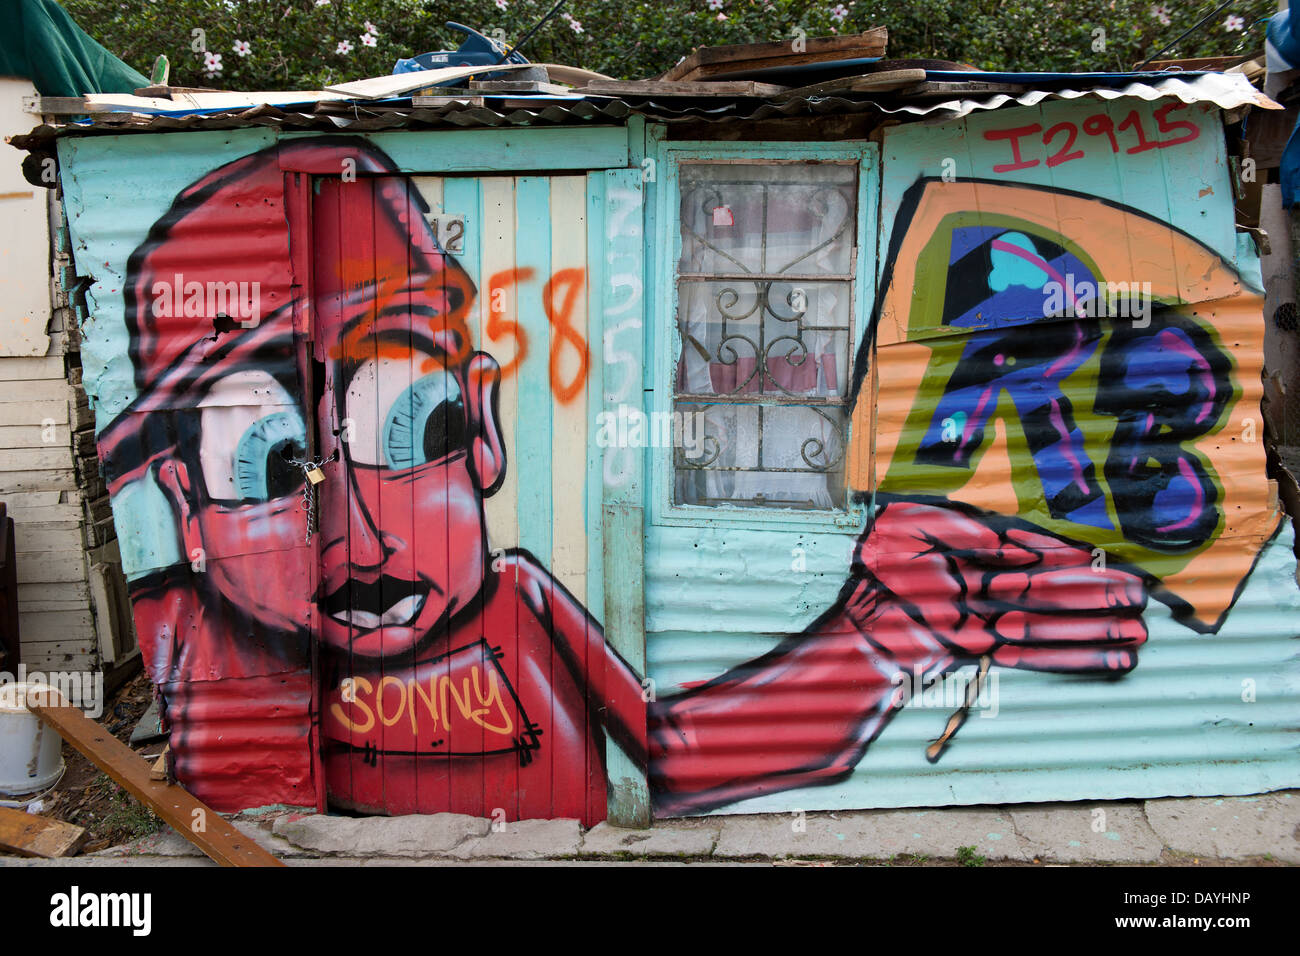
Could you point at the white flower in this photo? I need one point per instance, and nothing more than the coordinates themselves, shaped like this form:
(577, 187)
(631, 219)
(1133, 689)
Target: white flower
(212, 63)
(839, 12)
(242, 48)
(344, 47)
(371, 28)
(368, 39)
(1233, 23)
(715, 4)
(502, 4)
(1161, 13)
(721, 16)
(322, 3)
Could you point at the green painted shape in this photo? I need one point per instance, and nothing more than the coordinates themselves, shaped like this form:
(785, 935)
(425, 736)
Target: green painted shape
(618, 206)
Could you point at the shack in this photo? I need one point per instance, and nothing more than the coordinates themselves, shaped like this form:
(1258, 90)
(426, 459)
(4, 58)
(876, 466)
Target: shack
(714, 445)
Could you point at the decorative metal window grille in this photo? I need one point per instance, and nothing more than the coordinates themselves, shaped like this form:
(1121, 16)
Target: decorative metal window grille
(765, 287)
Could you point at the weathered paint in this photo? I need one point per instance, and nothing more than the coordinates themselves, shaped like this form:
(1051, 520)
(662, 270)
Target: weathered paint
(778, 645)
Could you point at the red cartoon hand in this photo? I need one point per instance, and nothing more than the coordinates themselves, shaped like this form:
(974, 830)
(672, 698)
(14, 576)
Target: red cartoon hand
(1030, 600)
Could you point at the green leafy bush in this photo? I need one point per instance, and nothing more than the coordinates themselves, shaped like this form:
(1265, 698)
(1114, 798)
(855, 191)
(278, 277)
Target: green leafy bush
(306, 44)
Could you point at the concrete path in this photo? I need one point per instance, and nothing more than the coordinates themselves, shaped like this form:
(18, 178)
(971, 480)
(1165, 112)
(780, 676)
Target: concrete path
(1259, 830)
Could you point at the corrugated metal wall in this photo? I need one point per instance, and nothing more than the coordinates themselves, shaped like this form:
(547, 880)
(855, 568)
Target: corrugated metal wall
(1077, 503)
(200, 413)
(1082, 499)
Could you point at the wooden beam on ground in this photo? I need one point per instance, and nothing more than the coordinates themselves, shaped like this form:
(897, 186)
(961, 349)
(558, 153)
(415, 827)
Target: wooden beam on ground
(709, 61)
(180, 809)
(33, 835)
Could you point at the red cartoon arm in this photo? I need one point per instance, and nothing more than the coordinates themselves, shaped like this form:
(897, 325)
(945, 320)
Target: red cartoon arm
(614, 689)
(931, 588)
(802, 714)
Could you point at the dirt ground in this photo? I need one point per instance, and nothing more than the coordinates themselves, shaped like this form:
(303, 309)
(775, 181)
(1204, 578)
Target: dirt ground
(87, 797)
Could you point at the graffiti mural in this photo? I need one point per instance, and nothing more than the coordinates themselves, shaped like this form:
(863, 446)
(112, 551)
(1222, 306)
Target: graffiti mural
(318, 412)
(1111, 479)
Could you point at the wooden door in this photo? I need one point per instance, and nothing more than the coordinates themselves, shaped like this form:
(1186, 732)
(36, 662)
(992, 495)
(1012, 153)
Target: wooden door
(460, 668)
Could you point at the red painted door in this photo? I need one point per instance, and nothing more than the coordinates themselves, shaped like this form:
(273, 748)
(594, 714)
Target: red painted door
(454, 677)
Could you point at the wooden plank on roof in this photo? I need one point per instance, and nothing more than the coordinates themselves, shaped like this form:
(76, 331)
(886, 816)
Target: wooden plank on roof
(1213, 63)
(180, 809)
(29, 834)
(447, 100)
(883, 82)
(962, 88)
(381, 87)
(683, 88)
(518, 86)
(709, 61)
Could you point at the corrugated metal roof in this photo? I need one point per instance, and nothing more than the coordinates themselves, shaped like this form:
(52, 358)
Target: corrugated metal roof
(1225, 90)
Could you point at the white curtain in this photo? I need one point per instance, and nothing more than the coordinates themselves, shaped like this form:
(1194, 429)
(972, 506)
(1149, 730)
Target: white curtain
(779, 219)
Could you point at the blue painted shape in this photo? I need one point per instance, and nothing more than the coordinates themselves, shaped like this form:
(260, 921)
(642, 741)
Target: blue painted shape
(1013, 270)
(146, 532)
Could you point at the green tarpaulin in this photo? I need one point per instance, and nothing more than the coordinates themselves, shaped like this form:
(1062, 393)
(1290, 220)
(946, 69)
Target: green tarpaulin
(38, 40)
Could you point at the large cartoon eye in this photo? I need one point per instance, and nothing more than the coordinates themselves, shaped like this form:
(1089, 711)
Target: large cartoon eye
(249, 427)
(425, 423)
(263, 470)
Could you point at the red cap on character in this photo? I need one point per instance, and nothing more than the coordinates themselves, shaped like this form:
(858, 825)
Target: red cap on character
(220, 259)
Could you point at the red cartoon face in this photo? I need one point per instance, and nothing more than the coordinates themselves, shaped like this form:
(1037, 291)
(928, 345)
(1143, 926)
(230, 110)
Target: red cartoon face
(401, 544)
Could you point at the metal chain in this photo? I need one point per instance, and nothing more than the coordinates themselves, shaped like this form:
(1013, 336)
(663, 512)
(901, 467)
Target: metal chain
(308, 503)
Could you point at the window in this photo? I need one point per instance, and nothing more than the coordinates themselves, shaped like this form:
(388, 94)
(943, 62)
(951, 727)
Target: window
(765, 292)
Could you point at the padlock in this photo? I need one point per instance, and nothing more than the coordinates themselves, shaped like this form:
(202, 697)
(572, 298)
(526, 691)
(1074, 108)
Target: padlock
(315, 476)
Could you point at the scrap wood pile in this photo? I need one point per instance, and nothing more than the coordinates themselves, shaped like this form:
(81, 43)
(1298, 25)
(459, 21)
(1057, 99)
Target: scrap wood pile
(785, 71)
(151, 781)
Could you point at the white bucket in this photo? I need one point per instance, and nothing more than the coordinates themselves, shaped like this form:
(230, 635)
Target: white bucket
(31, 753)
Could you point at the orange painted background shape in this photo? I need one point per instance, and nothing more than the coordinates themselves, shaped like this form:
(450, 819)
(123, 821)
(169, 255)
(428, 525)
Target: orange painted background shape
(1180, 270)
